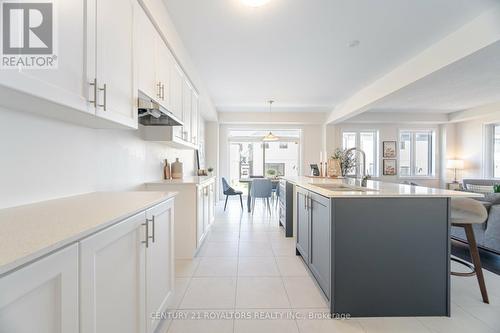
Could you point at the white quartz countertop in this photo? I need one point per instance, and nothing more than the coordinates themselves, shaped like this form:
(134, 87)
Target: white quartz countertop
(32, 231)
(194, 180)
(351, 188)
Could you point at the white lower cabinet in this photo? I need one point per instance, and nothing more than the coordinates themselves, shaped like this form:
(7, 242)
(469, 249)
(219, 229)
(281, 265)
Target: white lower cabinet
(43, 296)
(200, 218)
(112, 278)
(206, 206)
(159, 263)
(127, 273)
(194, 210)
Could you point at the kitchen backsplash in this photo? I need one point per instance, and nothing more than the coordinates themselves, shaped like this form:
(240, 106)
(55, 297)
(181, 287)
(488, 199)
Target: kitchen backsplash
(41, 159)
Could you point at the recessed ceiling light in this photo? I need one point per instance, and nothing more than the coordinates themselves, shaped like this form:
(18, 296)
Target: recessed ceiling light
(255, 3)
(354, 43)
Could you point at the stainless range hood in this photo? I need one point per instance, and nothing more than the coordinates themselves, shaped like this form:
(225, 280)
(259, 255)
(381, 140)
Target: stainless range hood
(151, 113)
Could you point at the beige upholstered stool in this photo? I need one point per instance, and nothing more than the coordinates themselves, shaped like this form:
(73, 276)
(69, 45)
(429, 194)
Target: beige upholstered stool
(464, 213)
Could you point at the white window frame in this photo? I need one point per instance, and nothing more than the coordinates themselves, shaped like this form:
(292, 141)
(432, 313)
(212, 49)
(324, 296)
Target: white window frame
(489, 151)
(432, 153)
(358, 146)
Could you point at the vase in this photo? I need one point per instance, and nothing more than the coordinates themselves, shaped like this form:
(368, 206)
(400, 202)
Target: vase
(166, 170)
(334, 169)
(177, 169)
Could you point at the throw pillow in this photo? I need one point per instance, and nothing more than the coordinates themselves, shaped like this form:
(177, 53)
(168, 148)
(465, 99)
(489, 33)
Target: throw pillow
(480, 188)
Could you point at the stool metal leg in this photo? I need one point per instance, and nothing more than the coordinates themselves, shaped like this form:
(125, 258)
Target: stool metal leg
(476, 260)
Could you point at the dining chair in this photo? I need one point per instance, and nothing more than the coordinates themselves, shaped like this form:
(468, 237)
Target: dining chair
(261, 188)
(229, 191)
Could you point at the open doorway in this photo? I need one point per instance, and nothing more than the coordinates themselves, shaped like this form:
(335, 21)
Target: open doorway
(250, 157)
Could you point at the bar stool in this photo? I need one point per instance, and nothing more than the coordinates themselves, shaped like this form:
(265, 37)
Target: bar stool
(464, 213)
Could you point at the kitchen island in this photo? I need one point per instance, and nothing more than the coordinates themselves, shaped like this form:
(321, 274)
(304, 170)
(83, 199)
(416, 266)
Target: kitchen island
(379, 250)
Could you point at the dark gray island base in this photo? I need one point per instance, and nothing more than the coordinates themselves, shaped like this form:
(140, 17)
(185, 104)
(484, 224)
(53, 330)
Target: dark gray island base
(377, 257)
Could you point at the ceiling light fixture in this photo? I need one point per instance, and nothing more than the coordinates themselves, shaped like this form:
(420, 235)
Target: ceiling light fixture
(254, 3)
(270, 136)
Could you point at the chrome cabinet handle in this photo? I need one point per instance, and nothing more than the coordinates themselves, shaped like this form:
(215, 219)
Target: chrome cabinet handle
(93, 84)
(154, 229)
(159, 89)
(146, 241)
(152, 237)
(103, 89)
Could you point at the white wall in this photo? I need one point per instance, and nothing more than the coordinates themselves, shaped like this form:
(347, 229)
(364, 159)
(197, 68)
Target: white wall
(472, 146)
(387, 132)
(41, 158)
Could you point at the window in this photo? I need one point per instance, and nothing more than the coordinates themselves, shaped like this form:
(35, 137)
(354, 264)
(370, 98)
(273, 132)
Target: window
(250, 157)
(416, 153)
(496, 151)
(367, 141)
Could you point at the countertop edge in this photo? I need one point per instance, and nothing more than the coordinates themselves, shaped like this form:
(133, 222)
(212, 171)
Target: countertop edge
(180, 182)
(379, 193)
(41, 253)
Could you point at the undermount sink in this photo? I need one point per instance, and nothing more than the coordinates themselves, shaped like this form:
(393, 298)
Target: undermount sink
(342, 187)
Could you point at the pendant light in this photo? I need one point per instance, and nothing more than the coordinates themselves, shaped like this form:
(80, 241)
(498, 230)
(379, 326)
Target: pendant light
(270, 136)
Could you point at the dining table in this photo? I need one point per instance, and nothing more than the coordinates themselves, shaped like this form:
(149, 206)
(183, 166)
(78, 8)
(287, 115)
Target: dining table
(249, 189)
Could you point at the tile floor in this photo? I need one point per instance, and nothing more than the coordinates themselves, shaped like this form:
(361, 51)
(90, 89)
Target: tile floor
(247, 278)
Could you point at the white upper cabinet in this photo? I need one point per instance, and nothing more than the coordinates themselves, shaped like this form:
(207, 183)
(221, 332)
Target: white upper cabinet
(93, 43)
(154, 61)
(176, 85)
(114, 61)
(195, 117)
(145, 53)
(65, 84)
(106, 51)
(164, 64)
(187, 92)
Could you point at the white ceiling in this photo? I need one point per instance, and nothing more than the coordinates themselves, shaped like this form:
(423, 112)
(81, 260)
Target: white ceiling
(296, 51)
(470, 82)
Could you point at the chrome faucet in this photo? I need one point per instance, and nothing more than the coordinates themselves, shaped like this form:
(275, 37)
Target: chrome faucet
(363, 155)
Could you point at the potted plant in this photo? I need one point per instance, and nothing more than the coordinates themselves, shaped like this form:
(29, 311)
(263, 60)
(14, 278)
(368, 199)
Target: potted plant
(347, 160)
(271, 173)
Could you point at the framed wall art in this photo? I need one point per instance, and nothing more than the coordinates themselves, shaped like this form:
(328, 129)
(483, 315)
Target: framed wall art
(389, 149)
(390, 167)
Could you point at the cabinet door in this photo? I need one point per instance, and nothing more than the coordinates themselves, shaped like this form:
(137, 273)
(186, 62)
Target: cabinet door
(176, 86)
(303, 224)
(186, 110)
(112, 267)
(159, 262)
(145, 50)
(67, 83)
(164, 67)
(43, 296)
(194, 117)
(319, 256)
(114, 61)
(200, 223)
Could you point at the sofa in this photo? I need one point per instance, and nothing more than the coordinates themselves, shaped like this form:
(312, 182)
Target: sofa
(487, 234)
